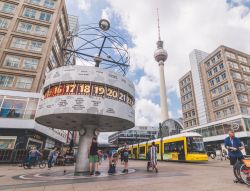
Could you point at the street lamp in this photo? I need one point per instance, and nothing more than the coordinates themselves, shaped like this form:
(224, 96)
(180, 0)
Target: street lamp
(160, 131)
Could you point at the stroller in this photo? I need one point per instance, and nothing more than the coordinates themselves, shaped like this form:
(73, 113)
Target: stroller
(150, 164)
(112, 165)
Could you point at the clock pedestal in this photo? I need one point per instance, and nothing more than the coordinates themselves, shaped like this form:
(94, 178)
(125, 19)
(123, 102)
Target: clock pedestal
(82, 161)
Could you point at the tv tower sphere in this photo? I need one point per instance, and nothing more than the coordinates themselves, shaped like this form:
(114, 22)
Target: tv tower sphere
(160, 54)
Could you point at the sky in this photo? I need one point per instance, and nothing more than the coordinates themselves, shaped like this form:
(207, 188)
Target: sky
(185, 25)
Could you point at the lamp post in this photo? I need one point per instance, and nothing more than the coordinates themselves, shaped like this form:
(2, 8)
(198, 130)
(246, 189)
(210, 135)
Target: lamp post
(160, 131)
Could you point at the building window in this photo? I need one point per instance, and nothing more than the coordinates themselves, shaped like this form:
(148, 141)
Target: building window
(45, 16)
(30, 13)
(37, 2)
(56, 45)
(41, 31)
(1, 39)
(19, 43)
(35, 46)
(4, 23)
(53, 60)
(209, 73)
(223, 76)
(221, 66)
(49, 4)
(8, 8)
(242, 98)
(242, 59)
(30, 63)
(211, 83)
(12, 61)
(226, 87)
(215, 69)
(236, 75)
(24, 27)
(230, 55)
(233, 65)
(32, 29)
(245, 68)
(24, 82)
(240, 86)
(6, 80)
(217, 79)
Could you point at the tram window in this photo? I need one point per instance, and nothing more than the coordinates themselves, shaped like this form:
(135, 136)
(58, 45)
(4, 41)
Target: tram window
(195, 145)
(134, 150)
(158, 148)
(177, 146)
(142, 150)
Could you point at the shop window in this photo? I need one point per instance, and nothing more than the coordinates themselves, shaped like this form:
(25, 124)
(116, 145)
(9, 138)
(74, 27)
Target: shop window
(7, 142)
(13, 108)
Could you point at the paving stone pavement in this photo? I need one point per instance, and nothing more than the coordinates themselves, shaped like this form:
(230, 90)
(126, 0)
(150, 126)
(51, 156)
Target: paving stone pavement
(211, 176)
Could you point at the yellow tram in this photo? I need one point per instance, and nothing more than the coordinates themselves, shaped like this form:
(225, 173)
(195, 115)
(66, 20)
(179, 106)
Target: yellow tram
(181, 147)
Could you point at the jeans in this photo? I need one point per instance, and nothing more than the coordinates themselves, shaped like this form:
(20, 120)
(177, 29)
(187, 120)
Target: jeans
(31, 160)
(50, 162)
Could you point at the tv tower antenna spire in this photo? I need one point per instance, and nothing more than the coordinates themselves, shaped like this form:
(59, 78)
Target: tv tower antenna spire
(159, 29)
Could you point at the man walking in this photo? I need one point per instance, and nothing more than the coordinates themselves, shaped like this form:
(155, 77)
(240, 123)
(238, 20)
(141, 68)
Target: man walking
(52, 155)
(234, 147)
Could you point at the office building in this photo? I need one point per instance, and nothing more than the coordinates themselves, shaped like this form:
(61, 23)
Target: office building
(224, 96)
(32, 36)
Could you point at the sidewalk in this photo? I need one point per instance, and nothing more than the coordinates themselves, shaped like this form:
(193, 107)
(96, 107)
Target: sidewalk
(215, 175)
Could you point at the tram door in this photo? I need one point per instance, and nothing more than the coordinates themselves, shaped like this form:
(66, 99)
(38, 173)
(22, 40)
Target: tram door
(180, 149)
(135, 153)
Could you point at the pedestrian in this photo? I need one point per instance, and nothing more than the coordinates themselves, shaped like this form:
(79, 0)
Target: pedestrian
(52, 156)
(234, 147)
(100, 157)
(93, 157)
(33, 156)
(153, 156)
(122, 155)
(125, 158)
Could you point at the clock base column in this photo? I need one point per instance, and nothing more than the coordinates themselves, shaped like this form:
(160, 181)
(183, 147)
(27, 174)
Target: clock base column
(82, 161)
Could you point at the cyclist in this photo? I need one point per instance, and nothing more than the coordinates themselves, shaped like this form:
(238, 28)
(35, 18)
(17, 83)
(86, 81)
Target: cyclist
(33, 156)
(234, 147)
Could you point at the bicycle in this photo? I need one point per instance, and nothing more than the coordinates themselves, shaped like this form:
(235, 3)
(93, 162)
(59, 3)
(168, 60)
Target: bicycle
(242, 170)
(38, 162)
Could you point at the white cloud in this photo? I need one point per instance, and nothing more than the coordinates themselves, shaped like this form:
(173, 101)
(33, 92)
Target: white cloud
(147, 112)
(147, 87)
(107, 13)
(185, 25)
(84, 5)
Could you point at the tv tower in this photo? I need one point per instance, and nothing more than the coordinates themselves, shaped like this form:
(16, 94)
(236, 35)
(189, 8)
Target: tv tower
(161, 56)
